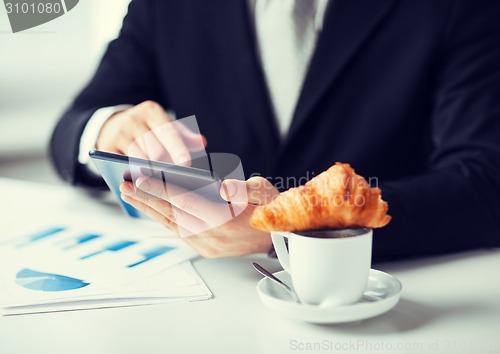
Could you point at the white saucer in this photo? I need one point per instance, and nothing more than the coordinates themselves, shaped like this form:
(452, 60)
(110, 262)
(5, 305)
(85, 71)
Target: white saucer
(382, 294)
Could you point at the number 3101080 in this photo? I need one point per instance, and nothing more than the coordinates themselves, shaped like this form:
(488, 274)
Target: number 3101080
(40, 8)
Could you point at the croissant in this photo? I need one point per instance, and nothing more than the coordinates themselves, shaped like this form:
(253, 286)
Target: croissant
(335, 199)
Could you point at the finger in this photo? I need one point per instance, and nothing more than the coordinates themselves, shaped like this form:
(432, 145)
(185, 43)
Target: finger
(111, 137)
(173, 143)
(128, 189)
(169, 220)
(187, 201)
(234, 191)
(146, 145)
(156, 199)
(151, 212)
(119, 145)
(151, 112)
(167, 134)
(157, 121)
(144, 142)
(127, 127)
(193, 141)
(186, 224)
(162, 220)
(255, 190)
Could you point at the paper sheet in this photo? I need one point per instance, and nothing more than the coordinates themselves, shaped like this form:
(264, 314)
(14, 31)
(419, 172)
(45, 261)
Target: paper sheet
(68, 260)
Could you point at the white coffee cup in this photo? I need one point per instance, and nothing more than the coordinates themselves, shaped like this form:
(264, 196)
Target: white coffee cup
(328, 267)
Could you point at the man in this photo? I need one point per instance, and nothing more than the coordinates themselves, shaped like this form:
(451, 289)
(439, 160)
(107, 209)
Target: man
(407, 91)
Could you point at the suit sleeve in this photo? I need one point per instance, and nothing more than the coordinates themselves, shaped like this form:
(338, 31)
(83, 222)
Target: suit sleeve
(456, 205)
(126, 75)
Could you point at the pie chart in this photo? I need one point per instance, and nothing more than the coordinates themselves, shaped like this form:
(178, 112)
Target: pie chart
(34, 280)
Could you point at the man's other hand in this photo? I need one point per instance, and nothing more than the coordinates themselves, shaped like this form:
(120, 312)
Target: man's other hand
(146, 131)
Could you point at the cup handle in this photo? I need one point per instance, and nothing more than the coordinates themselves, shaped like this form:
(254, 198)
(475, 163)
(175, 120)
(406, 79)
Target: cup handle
(281, 249)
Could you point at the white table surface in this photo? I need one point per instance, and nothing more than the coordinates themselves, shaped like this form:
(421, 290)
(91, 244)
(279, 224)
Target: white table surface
(450, 304)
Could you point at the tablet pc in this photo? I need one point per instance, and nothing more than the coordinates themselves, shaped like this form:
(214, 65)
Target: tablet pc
(116, 168)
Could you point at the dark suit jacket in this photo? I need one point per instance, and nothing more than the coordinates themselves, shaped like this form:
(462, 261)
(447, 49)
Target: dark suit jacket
(407, 91)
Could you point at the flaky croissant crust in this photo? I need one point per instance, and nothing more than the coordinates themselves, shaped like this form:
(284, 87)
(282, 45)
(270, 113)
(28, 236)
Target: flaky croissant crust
(335, 199)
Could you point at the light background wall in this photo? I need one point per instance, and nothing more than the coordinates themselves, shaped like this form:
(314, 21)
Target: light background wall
(43, 68)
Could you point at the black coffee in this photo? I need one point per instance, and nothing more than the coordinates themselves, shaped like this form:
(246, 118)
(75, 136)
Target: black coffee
(332, 233)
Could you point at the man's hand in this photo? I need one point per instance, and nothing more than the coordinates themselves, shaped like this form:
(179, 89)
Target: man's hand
(144, 131)
(212, 233)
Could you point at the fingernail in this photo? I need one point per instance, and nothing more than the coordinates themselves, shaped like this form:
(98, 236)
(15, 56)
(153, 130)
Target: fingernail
(126, 189)
(231, 189)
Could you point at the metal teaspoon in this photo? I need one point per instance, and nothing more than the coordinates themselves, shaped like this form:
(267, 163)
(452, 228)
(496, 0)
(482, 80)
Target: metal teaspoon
(269, 275)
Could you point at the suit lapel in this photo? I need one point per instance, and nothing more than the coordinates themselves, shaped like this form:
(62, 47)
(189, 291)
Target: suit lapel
(347, 25)
(234, 35)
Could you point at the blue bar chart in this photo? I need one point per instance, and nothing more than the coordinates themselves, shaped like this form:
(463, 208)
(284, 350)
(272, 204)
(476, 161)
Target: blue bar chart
(80, 240)
(151, 254)
(62, 257)
(115, 247)
(41, 235)
(56, 256)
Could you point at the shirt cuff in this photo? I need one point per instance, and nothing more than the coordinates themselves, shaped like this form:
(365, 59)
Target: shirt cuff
(91, 132)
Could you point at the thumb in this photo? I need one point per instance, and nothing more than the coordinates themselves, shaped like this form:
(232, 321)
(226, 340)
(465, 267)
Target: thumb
(255, 190)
